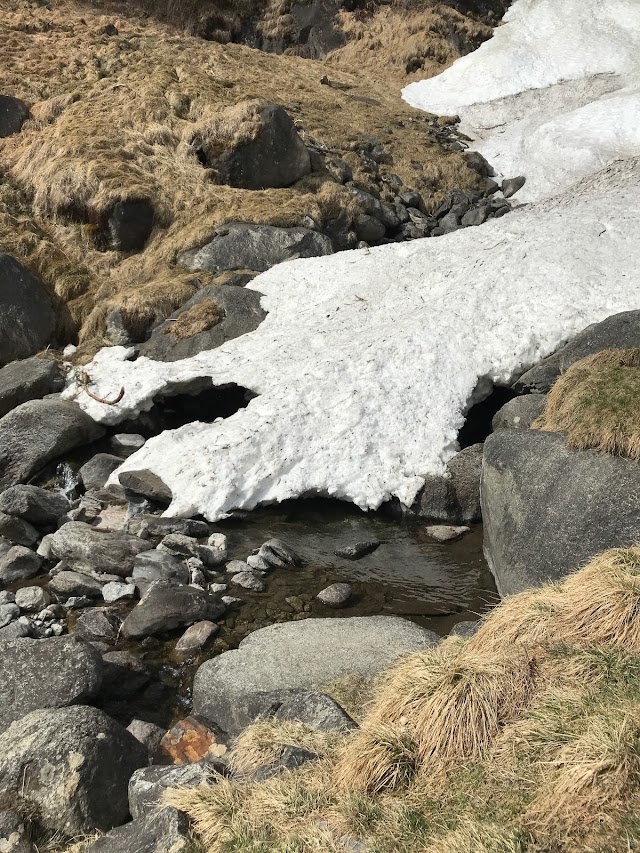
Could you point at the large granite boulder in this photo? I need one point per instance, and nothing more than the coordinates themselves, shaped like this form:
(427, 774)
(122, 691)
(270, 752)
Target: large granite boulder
(102, 550)
(547, 509)
(197, 327)
(230, 689)
(620, 331)
(36, 506)
(239, 246)
(28, 379)
(26, 313)
(166, 606)
(39, 431)
(71, 767)
(520, 412)
(50, 673)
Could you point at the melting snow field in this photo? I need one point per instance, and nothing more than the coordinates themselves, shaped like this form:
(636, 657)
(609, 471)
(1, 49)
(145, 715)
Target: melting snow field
(366, 362)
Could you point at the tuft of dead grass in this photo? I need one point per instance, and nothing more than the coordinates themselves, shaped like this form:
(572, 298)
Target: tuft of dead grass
(199, 318)
(262, 744)
(596, 403)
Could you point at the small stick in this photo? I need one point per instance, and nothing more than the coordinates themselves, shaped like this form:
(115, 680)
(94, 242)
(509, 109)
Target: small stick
(84, 378)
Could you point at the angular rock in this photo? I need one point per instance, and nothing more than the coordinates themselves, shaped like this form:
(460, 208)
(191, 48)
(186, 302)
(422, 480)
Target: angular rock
(298, 655)
(26, 314)
(50, 673)
(148, 734)
(69, 584)
(39, 507)
(130, 224)
(148, 484)
(455, 499)
(474, 217)
(15, 630)
(32, 599)
(28, 379)
(190, 740)
(446, 533)
(8, 614)
(95, 473)
(71, 766)
(275, 157)
(125, 443)
(162, 831)
(160, 565)
(13, 114)
(147, 785)
(316, 710)
(510, 186)
(247, 580)
(336, 595)
(548, 510)
(479, 164)
(620, 331)
(368, 228)
(166, 606)
(124, 675)
(278, 555)
(17, 531)
(18, 564)
(358, 550)
(39, 431)
(104, 551)
(196, 637)
(118, 591)
(238, 246)
(98, 625)
(155, 526)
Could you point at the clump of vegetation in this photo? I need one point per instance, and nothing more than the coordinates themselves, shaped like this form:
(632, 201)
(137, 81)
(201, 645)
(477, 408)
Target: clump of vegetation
(199, 318)
(596, 403)
(522, 739)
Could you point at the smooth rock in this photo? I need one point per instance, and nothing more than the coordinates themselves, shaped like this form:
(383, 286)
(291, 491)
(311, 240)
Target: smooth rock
(160, 565)
(548, 510)
(247, 580)
(147, 484)
(196, 637)
(166, 606)
(279, 555)
(446, 533)
(99, 624)
(148, 734)
(336, 595)
(125, 443)
(18, 564)
(520, 412)
(69, 584)
(317, 710)
(50, 673)
(95, 473)
(28, 379)
(510, 186)
(357, 550)
(32, 599)
(159, 526)
(105, 551)
(299, 655)
(26, 313)
(71, 766)
(17, 530)
(39, 431)
(39, 507)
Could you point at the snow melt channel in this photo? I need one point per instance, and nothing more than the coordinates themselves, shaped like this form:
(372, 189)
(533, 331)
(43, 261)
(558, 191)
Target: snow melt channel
(366, 362)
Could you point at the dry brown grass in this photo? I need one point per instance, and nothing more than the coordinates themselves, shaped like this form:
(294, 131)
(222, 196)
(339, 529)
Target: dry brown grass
(262, 744)
(121, 116)
(199, 318)
(596, 403)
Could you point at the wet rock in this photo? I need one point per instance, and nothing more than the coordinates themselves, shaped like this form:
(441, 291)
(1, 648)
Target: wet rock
(196, 637)
(95, 473)
(446, 533)
(39, 431)
(239, 246)
(13, 114)
(316, 710)
(298, 655)
(278, 555)
(275, 156)
(147, 484)
(37, 506)
(235, 566)
(247, 580)
(166, 606)
(100, 624)
(42, 752)
(130, 224)
(147, 785)
(464, 629)
(32, 599)
(336, 595)
(358, 550)
(117, 591)
(162, 831)
(454, 499)
(520, 412)
(104, 551)
(187, 546)
(125, 675)
(254, 562)
(148, 734)
(49, 673)
(17, 531)
(69, 584)
(159, 526)
(538, 524)
(18, 564)
(26, 313)
(510, 186)
(190, 740)
(28, 379)
(160, 565)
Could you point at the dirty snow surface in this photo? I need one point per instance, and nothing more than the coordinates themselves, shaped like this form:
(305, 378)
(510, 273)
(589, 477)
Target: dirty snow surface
(554, 95)
(367, 361)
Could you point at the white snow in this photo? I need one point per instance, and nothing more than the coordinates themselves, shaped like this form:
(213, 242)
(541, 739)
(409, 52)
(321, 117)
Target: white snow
(554, 95)
(366, 362)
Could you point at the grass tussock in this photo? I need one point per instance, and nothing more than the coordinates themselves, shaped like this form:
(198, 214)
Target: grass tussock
(199, 318)
(523, 739)
(596, 404)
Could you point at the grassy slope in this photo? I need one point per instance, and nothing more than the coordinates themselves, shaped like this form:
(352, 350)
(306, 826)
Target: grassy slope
(113, 116)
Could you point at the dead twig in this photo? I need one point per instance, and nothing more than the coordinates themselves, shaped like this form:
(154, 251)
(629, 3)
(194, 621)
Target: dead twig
(84, 380)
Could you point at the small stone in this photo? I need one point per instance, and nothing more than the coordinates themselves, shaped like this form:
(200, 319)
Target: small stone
(95, 473)
(510, 186)
(190, 741)
(117, 591)
(127, 443)
(358, 550)
(247, 580)
(44, 548)
(18, 564)
(8, 613)
(218, 540)
(7, 597)
(255, 561)
(99, 625)
(446, 533)
(69, 584)
(235, 566)
(279, 555)
(17, 531)
(76, 602)
(231, 600)
(336, 595)
(147, 733)
(296, 603)
(217, 588)
(196, 637)
(32, 598)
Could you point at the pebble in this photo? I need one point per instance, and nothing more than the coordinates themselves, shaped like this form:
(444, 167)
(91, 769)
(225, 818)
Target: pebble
(218, 587)
(446, 533)
(336, 595)
(258, 563)
(230, 600)
(127, 443)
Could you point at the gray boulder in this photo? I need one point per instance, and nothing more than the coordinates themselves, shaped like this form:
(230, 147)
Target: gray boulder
(95, 473)
(39, 431)
(456, 499)
(335, 595)
(98, 625)
(69, 584)
(28, 379)
(160, 565)
(32, 599)
(17, 530)
(130, 224)
(102, 550)
(13, 834)
(299, 655)
(510, 186)
(159, 526)
(274, 157)
(239, 246)
(147, 484)
(162, 831)
(620, 331)
(50, 673)
(13, 114)
(148, 784)
(548, 510)
(317, 710)
(71, 766)
(166, 606)
(27, 320)
(520, 412)
(239, 312)
(37, 506)
(18, 564)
